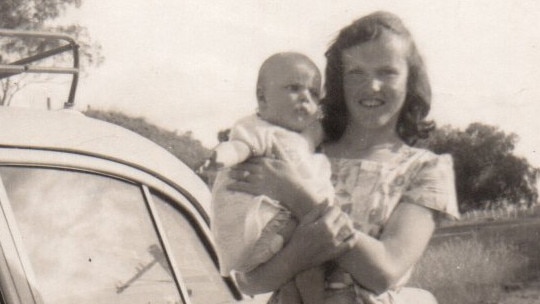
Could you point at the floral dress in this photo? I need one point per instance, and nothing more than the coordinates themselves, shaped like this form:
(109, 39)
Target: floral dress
(369, 191)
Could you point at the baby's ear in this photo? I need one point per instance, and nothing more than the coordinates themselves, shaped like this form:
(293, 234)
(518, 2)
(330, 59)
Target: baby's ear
(261, 101)
(260, 95)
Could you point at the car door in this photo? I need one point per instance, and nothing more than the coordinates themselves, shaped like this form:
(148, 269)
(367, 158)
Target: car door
(77, 236)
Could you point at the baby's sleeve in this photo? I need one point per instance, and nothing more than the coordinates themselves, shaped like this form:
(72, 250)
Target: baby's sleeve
(250, 134)
(433, 186)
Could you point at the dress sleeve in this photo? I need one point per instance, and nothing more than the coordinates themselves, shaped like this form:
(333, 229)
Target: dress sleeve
(433, 186)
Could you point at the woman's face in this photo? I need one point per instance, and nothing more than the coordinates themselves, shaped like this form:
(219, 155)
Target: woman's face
(375, 81)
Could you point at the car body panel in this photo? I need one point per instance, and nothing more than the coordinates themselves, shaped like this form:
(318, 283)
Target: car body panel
(71, 131)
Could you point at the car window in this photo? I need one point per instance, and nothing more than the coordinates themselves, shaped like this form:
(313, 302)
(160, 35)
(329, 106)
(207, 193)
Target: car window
(88, 238)
(200, 274)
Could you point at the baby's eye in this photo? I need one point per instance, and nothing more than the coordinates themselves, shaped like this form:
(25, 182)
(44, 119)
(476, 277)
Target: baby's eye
(293, 87)
(356, 72)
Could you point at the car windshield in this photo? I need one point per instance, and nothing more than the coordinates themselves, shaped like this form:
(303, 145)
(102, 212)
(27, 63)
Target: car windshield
(89, 238)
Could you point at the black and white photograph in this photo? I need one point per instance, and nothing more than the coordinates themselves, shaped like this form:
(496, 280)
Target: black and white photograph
(269, 151)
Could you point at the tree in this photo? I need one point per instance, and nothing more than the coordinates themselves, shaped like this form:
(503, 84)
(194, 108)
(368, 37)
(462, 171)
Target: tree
(38, 15)
(488, 174)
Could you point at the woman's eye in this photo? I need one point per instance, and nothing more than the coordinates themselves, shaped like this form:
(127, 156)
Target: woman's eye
(389, 72)
(314, 92)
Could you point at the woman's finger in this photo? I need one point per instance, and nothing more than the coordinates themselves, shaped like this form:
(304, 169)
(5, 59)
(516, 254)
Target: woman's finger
(345, 226)
(344, 233)
(337, 224)
(256, 160)
(346, 245)
(242, 186)
(278, 151)
(343, 220)
(314, 215)
(238, 175)
(248, 169)
(246, 166)
(331, 215)
(343, 246)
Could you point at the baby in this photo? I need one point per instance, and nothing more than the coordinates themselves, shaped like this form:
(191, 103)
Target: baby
(249, 230)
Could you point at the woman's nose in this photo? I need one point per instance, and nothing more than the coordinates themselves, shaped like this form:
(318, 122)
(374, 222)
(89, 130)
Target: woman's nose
(376, 85)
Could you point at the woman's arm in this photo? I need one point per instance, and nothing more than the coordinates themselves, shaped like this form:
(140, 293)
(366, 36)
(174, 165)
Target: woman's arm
(277, 179)
(314, 242)
(378, 264)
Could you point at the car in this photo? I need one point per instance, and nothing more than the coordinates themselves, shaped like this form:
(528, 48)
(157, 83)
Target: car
(93, 213)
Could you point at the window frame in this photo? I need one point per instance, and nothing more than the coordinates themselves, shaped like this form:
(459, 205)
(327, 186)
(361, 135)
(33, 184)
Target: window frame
(13, 265)
(164, 242)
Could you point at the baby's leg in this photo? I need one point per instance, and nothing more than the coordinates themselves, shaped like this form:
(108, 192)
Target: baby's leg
(273, 236)
(310, 285)
(288, 294)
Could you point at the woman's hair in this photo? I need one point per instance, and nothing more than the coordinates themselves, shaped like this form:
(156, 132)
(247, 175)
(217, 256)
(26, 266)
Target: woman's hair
(411, 123)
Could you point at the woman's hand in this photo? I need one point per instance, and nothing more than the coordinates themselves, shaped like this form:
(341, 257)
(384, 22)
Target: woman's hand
(323, 234)
(278, 179)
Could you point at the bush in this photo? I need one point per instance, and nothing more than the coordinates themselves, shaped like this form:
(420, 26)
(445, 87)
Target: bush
(463, 271)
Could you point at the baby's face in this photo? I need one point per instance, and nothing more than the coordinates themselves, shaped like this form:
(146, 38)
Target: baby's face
(290, 95)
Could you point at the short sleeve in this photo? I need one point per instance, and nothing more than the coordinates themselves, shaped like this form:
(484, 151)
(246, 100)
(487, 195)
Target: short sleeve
(252, 132)
(433, 186)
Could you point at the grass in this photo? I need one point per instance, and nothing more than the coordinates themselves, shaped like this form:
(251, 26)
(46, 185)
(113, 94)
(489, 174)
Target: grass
(471, 269)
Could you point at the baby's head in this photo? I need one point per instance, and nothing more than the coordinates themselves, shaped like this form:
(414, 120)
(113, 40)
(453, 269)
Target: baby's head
(288, 91)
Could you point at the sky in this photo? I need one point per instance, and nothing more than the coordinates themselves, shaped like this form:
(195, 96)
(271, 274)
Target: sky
(191, 65)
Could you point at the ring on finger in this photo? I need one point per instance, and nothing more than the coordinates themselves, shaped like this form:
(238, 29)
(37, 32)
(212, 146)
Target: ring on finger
(344, 233)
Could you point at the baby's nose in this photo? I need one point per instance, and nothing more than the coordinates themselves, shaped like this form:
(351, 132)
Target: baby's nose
(309, 105)
(306, 96)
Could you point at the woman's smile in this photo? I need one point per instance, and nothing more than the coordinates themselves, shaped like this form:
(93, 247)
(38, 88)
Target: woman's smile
(371, 102)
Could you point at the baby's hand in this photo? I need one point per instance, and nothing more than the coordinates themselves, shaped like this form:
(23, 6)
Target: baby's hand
(209, 167)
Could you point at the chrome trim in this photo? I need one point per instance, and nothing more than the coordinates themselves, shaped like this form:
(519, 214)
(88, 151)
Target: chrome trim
(162, 237)
(21, 278)
(79, 162)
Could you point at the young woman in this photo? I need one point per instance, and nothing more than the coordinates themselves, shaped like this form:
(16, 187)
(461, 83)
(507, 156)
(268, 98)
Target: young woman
(389, 194)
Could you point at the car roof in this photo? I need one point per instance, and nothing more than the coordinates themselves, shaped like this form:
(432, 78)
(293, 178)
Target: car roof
(72, 131)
